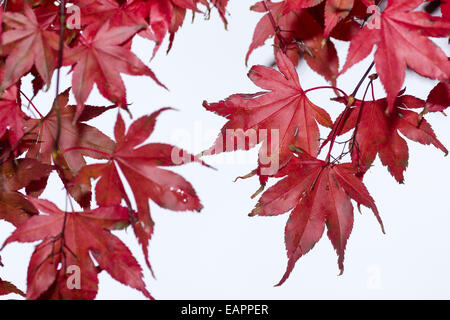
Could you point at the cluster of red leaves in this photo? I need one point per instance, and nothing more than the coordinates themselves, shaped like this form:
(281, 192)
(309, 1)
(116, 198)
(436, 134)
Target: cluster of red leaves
(97, 48)
(95, 42)
(319, 191)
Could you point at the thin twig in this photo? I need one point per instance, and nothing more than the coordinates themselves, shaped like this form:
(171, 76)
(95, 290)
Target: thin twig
(328, 87)
(32, 104)
(283, 44)
(62, 22)
(362, 79)
(357, 124)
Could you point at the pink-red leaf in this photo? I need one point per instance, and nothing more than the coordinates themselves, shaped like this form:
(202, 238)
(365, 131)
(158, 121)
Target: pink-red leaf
(68, 240)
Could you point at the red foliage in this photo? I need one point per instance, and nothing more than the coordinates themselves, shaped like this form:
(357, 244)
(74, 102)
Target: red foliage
(98, 51)
(38, 38)
(319, 191)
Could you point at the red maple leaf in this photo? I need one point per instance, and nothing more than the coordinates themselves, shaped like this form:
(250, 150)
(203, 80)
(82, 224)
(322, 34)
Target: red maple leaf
(7, 288)
(445, 8)
(73, 132)
(298, 4)
(15, 175)
(139, 165)
(335, 11)
(11, 115)
(99, 58)
(28, 42)
(68, 239)
(378, 133)
(439, 98)
(221, 5)
(167, 16)
(318, 52)
(283, 109)
(320, 194)
(116, 13)
(402, 40)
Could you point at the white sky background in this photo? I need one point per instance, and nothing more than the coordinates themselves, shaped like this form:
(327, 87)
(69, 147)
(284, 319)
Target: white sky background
(221, 253)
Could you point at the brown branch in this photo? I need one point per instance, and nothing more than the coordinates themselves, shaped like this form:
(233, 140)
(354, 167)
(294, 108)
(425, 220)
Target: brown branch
(62, 22)
(283, 43)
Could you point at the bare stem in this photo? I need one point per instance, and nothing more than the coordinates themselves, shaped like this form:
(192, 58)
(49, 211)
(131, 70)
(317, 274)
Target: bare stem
(62, 22)
(353, 140)
(350, 101)
(328, 87)
(88, 149)
(362, 79)
(32, 104)
(283, 44)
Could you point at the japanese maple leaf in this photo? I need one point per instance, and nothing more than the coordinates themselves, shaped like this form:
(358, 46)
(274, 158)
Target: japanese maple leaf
(283, 109)
(319, 52)
(139, 165)
(298, 4)
(15, 175)
(167, 16)
(7, 288)
(6, 150)
(73, 133)
(68, 240)
(99, 58)
(118, 13)
(320, 194)
(402, 40)
(378, 133)
(25, 43)
(221, 8)
(439, 98)
(445, 8)
(163, 16)
(335, 10)
(11, 115)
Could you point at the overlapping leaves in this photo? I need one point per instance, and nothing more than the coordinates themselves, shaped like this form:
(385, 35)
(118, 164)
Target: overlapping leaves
(97, 49)
(96, 45)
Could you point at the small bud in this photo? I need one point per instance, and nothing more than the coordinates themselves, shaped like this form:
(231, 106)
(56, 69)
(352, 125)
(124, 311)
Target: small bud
(351, 100)
(295, 149)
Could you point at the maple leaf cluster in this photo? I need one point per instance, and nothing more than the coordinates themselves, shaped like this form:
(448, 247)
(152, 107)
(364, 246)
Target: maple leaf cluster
(317, 185)
(112, 191)
(37, 39)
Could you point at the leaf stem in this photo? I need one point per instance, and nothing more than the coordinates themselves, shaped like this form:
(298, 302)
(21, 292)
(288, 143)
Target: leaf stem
(362, 79)
(283, 44)
(328, 87)
(353, 139)
(32, 104)
(88, 149)
(62, 22)
(350, 101)
(372, 89)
